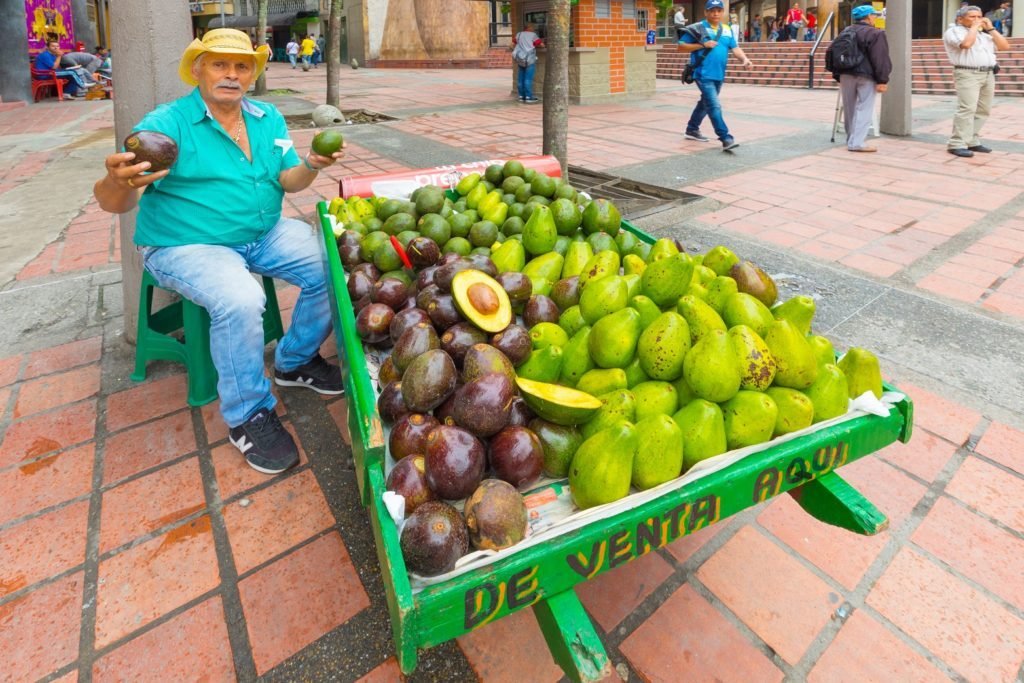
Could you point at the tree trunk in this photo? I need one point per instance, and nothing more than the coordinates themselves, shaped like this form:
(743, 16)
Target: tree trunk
(261, 39)
(334, 54)
(556, 84)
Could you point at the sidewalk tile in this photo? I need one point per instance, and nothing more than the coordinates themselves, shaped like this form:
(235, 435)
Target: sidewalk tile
(388, 672)
(49, 392)
(864, 651)
(48, 432)
(684, 548)
(276, 518)
(990, 491)
(974, 547)
(612, 596)
(64, 357)
(145, 401)
(277, 599)
(216, 430)
(1002, 302)
(153, 501)
(980, 639)
(149, 445)
(339, 412)
(42, 547)
(688, 639)
(147, 581)
(843, 555)
(234, 476)
(1004, 444)
(9, 370)
(784, 603)
(511, 649)
(872, 265)
(954, 289)
(46, 482)
(41, 629)
(941, 416)
(924, 456)
(192, 646)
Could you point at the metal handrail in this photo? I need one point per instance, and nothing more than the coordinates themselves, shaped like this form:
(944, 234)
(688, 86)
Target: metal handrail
(817, 41)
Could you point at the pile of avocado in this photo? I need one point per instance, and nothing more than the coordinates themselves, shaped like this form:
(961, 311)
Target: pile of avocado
(565, 346)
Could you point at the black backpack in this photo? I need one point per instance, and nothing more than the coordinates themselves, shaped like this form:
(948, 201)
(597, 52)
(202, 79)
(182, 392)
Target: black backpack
(844, 54)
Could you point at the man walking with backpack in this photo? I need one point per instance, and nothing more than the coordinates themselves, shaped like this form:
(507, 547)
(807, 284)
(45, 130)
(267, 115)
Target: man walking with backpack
(859, 59)
(712, 40)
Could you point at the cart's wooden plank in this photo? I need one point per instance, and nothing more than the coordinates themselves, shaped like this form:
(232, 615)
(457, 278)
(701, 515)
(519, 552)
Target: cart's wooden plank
(570, 635)
(401, 606)
(471, 600)
(831, 500)
(364, 425)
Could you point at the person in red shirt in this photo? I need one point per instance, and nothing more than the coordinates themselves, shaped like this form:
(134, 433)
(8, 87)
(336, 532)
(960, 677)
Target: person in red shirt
(812, 26)
(794, 21)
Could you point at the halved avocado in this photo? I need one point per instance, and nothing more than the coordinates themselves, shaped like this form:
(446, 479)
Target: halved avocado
(481, 300)
(558, 404)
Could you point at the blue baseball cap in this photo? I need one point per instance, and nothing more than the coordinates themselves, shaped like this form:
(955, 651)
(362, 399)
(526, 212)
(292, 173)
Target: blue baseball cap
(714, 4)
(863, 11)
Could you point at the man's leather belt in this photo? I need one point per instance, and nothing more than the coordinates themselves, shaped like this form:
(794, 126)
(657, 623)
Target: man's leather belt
(975, 68)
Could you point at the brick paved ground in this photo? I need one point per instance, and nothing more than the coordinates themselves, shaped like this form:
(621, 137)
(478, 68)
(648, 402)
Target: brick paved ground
(135, 544)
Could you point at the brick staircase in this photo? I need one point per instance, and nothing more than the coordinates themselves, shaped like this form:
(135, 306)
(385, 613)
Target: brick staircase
(785, 65)
(499, 58)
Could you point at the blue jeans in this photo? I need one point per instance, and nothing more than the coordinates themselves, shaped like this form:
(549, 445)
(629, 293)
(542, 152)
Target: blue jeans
(526, 80)
(218, 279)
(307, 60)
(709, 106)
(293, 59)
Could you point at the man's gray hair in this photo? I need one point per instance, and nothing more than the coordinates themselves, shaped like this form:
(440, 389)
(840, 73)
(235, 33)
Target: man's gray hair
(962, 12)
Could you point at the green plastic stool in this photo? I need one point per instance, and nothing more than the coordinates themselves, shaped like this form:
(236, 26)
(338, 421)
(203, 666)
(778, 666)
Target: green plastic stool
(155, 342)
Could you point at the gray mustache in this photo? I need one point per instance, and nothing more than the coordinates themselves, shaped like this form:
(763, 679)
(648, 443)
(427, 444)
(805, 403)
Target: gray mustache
(229, 84)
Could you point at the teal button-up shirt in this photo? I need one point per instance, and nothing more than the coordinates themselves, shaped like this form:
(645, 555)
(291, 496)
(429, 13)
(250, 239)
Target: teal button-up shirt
(214, 194)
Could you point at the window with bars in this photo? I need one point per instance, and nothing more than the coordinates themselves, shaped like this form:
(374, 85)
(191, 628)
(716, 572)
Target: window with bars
(603, 9)
(641, 20)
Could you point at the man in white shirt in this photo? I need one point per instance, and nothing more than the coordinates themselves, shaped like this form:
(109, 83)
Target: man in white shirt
(292, 50)
(971, 44)
(679, 21)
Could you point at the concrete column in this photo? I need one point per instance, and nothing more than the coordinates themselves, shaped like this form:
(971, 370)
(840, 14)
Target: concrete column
(15, 78)
(154, 33)
(85, 31)
(896, 109)
(1018, 11)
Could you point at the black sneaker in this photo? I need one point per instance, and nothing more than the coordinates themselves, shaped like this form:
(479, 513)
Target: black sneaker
(531, 100)
(267, 447)
(317, 374)
(696, 136)
(729, 145)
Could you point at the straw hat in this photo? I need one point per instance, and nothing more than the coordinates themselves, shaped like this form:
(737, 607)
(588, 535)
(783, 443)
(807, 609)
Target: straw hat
(226, 41)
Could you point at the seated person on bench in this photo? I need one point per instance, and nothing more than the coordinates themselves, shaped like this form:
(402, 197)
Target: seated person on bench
(214, 217)
(74, 79)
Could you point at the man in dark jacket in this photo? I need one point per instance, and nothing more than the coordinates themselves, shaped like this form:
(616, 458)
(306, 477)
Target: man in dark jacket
(859, 84)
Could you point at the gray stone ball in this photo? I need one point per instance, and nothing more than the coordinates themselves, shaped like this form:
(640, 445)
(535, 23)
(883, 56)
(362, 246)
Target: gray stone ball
(325, 115)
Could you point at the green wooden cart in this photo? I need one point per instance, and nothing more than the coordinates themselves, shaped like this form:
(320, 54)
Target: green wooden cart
(543, 576)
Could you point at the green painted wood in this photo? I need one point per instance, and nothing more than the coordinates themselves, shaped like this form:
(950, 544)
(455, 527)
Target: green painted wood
(831, 500)
(397, 591)
(365, 428)
(570, 635)
(476, 598)
(543, 574)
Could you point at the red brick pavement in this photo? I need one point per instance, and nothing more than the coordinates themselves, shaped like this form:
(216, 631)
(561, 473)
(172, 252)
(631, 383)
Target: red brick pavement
(938, 595)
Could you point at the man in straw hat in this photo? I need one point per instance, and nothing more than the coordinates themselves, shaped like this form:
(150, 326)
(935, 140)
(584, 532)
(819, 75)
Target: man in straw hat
(214, 217)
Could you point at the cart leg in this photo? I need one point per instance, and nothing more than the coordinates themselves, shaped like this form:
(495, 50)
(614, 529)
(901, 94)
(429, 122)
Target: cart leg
(831, 500)
(571, 638)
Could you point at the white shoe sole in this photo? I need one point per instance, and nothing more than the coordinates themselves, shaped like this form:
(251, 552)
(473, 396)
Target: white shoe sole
(292, 383)
(262, 470)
